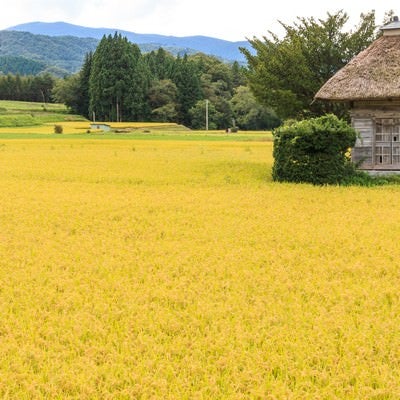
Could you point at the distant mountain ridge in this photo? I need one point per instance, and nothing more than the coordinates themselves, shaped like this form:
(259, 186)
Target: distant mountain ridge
(223, 49)
(57, 55)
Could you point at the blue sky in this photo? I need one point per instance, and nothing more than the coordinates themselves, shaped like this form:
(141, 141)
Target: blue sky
(225, 19)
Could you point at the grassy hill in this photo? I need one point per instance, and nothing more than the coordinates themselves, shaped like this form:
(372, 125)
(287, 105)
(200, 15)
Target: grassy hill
(21, 114)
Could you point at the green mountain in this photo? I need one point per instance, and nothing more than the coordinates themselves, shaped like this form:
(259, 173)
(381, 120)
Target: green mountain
(21, 52)
(64, 54)
(60, 48)
(223, 49)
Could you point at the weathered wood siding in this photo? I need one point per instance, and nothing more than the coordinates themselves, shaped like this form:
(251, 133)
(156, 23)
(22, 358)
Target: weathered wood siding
(372, 154)
(363, 150)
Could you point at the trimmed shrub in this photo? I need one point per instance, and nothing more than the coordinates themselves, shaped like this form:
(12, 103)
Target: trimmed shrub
(314, 151)
(58, 129)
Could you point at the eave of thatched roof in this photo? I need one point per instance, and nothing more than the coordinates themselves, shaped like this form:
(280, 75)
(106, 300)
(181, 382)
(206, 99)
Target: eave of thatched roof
(374, 74)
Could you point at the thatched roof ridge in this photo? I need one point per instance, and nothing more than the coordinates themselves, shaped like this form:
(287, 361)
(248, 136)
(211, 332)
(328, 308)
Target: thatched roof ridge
(374, 74)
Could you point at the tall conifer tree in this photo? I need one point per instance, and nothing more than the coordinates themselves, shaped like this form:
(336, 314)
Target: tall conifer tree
(187, 81)
(117, 82)
(83, 80)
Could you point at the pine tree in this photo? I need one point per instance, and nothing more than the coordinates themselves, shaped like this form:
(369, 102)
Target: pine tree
(83, 81)
(187, 81)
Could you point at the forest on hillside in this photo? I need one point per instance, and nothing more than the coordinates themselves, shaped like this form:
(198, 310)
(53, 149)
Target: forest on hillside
(59, 55)
(119, 83)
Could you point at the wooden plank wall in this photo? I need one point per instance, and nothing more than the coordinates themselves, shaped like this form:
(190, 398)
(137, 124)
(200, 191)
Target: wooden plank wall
(363, 116)
(364, 144)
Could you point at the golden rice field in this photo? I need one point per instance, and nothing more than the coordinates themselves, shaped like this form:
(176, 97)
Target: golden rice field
(79, 127)
(178, 270)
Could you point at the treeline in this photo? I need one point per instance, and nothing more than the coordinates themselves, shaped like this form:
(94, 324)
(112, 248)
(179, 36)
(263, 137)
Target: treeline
(27, 88)
(119, 83)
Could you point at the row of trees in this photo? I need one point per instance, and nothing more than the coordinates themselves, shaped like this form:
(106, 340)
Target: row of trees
(119, 83)
(27, 88)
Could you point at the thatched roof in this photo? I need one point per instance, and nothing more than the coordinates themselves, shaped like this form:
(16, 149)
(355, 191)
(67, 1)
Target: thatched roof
(374, 74)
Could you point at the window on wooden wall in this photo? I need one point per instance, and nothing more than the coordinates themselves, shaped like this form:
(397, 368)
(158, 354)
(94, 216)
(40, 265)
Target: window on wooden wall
(387, 141)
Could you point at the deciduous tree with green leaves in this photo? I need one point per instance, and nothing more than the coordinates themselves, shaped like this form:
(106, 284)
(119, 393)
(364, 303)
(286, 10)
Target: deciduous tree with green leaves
(249, 114)
(73, 90)
(285, 73)
(198, 116)
(163, 100)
